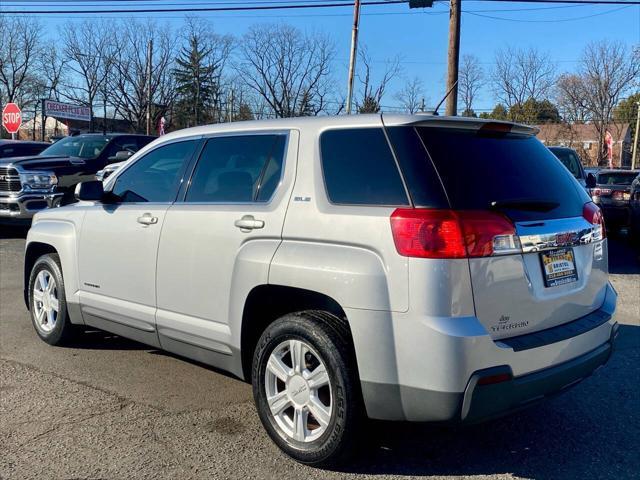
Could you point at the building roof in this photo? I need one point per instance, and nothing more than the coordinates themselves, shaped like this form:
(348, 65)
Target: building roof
(553, 133)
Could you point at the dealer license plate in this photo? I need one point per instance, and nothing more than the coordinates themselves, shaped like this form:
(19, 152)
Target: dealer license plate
(559, 267)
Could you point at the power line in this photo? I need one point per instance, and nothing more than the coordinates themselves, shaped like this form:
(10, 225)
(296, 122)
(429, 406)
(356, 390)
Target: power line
(274, 5)
(196, 9)
(555, 20)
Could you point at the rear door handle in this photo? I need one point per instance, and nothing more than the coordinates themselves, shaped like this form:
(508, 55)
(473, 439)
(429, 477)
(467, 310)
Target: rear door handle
(248, 223)
(147, 219)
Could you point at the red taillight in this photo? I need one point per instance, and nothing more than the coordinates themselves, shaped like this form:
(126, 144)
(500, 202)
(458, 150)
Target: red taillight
(592, 214)
(430, 233)
(427, 233)
(486, 233)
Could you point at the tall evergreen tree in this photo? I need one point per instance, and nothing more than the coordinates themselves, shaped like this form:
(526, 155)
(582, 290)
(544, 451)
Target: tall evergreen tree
(197, 75)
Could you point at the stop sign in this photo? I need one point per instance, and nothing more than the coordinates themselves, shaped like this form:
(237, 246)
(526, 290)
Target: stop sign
(11, 117)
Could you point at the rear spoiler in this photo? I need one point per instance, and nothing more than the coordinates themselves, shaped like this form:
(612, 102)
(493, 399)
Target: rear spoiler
(469, 124)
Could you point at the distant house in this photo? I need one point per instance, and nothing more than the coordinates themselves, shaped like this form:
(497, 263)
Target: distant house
(584, 139)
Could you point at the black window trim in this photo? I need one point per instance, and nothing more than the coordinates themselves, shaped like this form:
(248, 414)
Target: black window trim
(409, 203)
(113, 179)
(433, 164)
(206, 138)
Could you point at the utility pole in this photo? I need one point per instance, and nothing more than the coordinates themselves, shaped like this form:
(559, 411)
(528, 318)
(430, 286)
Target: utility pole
(44, 120)
(453, 57)
(634, 157)
(149, 57)
(354, 52)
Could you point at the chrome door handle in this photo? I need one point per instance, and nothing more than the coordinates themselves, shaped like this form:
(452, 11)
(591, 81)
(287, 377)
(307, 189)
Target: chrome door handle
(147, 219)
(248, 223)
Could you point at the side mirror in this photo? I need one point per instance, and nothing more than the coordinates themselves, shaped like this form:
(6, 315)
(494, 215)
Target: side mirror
(591, 180)
(89, 191)
(123, 155)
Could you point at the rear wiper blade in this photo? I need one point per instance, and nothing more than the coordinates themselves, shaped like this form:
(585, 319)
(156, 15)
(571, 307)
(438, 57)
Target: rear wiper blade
(525, 204)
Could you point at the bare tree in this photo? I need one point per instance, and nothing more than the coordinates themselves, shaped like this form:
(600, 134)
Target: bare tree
(522, 74)
(89, 48)
(470, 81)
(607, 70)
(20, 46)
(372, 90)
(412, 97)
(569, 98)
(288, 69)
(52, 67)
(129, 79)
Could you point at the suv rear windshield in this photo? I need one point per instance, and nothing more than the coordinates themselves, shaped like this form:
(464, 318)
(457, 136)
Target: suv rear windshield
(512, 173)
(616, 178)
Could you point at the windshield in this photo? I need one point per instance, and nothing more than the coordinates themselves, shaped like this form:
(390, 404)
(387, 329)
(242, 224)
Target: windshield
(616, 178)
(82, 146)
(569, 159)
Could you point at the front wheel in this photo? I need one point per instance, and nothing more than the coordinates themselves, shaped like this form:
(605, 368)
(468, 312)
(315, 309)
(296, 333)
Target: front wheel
(306, 387)
(47, 302)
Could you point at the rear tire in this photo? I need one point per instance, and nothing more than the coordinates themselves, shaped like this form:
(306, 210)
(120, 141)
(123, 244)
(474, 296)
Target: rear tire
(47, 301)
(311, 407)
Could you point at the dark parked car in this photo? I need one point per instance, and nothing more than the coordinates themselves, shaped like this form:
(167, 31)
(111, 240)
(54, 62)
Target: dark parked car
(21, 148)
(570, 159)
(31, 183)
(613, 194)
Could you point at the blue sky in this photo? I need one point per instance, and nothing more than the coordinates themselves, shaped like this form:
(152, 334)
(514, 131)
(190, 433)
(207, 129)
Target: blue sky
(420, 36)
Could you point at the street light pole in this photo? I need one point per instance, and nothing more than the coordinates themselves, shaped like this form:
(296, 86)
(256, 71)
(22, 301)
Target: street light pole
(454, 57)
(354, 52)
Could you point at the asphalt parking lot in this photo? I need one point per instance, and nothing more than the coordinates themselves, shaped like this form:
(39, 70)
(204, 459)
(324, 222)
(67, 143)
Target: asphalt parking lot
(111, 408)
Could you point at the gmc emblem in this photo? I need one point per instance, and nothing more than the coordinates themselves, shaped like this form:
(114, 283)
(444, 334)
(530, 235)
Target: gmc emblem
(564, 238)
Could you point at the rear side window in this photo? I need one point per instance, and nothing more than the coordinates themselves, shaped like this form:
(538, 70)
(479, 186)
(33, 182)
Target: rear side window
(516, 174)
(244, 168)
(569, 159)
(359, 168)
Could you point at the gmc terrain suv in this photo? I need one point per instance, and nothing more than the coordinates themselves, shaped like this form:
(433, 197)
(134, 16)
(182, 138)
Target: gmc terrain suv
(393, 267)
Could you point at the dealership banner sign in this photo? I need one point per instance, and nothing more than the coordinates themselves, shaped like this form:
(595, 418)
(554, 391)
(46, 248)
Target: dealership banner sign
(66, 111)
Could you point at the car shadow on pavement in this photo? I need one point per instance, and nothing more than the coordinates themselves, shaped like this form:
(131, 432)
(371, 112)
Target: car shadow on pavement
(587, 432)
(13, 231)
(90, 339)
(623, 258)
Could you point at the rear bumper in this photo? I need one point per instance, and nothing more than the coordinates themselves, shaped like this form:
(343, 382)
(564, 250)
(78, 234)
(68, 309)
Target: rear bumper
(442, 365)
(482, 402)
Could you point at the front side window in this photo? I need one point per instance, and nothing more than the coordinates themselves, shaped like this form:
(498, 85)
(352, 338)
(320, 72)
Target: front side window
(156, 176)
(359, 168)
(243, 168)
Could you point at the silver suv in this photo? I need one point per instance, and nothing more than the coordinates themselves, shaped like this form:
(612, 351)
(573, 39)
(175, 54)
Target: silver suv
(393, 267)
